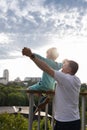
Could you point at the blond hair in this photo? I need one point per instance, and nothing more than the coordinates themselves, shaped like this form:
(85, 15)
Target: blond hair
(53, 53)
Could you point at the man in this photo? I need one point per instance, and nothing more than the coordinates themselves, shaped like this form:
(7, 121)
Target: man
(66, 100)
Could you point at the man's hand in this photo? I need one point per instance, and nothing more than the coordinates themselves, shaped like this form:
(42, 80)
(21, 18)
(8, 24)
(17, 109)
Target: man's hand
(26, 51)
(64, 61)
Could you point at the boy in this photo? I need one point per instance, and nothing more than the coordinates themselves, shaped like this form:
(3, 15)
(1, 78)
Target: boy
(47, 82)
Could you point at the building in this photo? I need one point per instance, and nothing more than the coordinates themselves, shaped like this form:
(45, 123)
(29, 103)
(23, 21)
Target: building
(33, 79)
(5, 78)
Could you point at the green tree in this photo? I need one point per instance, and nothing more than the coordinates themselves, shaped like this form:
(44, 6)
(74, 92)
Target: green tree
(16, 99)
(13, 122)
(2, 98)
(12, 95)
(83, 87)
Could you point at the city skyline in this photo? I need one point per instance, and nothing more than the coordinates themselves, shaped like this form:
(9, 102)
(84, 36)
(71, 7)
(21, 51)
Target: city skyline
(24, 67)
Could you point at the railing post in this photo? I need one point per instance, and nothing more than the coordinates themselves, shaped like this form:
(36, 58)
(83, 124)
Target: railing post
(31, 99)
(46, 116)
(52, 114)
(83, 113)
(38, 120)
(39, 115)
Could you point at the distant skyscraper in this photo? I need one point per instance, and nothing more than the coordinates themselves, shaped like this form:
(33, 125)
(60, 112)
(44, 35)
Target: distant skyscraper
(6, 75)
(5, 78)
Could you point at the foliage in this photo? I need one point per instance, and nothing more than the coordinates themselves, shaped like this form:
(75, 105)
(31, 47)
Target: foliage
(2, 98)
(13, 122)
(42, 125)
(83, 87)
(18, 122)
(11, 95)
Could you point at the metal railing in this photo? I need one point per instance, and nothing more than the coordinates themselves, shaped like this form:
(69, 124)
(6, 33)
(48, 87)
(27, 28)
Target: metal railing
(83, 118)
(31, 94)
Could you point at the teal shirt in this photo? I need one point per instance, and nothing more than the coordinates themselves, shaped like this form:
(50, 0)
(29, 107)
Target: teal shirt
(47, 82)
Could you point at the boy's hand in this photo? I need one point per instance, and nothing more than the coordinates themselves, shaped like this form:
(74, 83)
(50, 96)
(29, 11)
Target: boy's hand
(26, 51)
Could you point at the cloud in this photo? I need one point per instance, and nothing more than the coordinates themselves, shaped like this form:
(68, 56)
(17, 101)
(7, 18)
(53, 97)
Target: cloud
(66, 4)
(4, 38)
(34, 23)
(41, 16)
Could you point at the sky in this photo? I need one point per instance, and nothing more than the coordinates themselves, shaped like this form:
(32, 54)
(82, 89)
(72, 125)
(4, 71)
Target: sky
(39, 25)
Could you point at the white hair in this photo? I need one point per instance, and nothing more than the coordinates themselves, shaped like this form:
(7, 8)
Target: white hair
(53, 53)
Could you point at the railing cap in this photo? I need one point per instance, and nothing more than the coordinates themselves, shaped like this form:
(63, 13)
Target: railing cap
(83, 93)
(40, 91)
